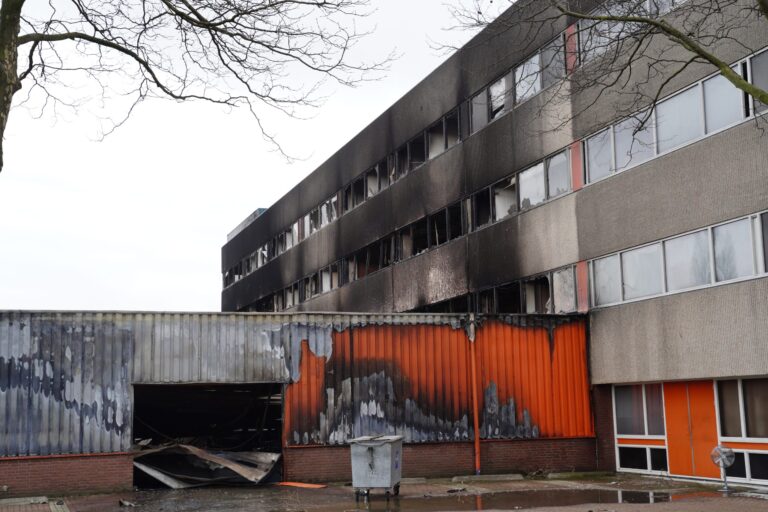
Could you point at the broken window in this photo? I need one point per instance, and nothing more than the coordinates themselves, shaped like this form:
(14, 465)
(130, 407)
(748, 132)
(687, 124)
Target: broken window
(347, 198)
(405, 244)
(325, 280)
(387, 251)
(314, 284)
(528, 79)
(467, 212)
(247, 266)
(455, 228)
(508, 299)
(553, 61)
(392, 168)
(436, 139)
(280, 249)
(279, 301)
(402, 161)
(289, 303)
(314, 220)
(564, 290)
(330, 210)
(558, 175)
(307, 225)
(358, 191)
(532, 186)
(438, 228)
(420, 236)
(536, 293)
(334, 274)
(486, 302)
(452, 129)
(371, 182)
(479, 108)
(272, 249)
(383, 174)
(351, 269)
(505, 198)
(500, 93)
(362, 263)
(374, 257)
(296, 232)
(417, 151)
(482, 204)
(289, 239)
(607, 275)
(262, 253)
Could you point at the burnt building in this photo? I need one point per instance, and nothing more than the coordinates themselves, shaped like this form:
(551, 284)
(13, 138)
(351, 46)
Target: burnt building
(487, 189)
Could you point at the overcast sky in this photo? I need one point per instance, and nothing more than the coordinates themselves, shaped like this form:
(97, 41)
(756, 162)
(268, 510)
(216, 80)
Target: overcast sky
(137, 221)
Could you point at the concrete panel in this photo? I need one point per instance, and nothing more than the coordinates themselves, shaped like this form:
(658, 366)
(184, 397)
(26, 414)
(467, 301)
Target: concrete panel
(718, 332)
(431, 277)
(715, 179)
(537, 240)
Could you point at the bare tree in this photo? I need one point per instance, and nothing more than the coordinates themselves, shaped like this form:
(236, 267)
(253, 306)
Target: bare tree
(631, 50)
(228, 52)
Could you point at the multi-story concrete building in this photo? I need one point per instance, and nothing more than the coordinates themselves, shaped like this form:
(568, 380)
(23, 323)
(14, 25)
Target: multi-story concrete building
(487, 189)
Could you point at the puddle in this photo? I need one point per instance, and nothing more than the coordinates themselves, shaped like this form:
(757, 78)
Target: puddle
(513, 500)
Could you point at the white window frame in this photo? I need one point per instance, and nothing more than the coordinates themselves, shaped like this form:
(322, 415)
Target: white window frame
(640, 437)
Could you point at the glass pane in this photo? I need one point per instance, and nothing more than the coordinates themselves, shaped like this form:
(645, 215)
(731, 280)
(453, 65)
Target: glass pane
(733, 250)
(558, 175)
(658, 459)
(722, 103)
(728, 406)
(756, 407)
(599, 158)
(553, 62)
(607, 274)
(641, 272)
(452, 129)
(479, 109)
(504, 198)
(564, 285)
(532, 186)
(436, 140)
(527, 79)
(758, 466)
(679, 119)
(498, 91)
(629, 410)
(760, 76)
(654, 407)
(634, 144)
(738, 469)
(633, 458)
(687, 261)
(536, 294)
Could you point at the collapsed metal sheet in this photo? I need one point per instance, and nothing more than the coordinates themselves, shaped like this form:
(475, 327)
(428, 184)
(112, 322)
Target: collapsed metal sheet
(182, 466)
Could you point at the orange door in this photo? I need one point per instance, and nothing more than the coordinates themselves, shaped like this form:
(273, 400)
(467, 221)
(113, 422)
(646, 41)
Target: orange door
(689, 408)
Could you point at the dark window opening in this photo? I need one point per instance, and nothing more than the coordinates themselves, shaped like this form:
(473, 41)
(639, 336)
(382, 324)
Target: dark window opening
(220, 417)
(371, 183)
(482, 202)
(486, 302)
(455, 228)
(374, 257)
(314, 285)
(351, 269)
(264, 305)
(335, 276)
(347, 198)
(758, 466)
(728, 403)
(508, 299)
(479, 108)
(280, 300)
(537, 295)
(452, 129)
(383, 174)
(418, 152)
(436, 139)
(632, 458)
(405, 244)
(739, 467)
(387, 251)
(402, 161)
(362, 263)
(314, 221)
(755, 396)
(420, 237)
(505, 198)
(658, 459)
(358, 191)
(438, 228)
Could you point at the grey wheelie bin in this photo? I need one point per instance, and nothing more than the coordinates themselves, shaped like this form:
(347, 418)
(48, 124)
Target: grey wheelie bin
(376, 464)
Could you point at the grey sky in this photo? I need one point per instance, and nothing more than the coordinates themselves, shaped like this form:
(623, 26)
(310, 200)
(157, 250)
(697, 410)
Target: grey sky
(136, 221)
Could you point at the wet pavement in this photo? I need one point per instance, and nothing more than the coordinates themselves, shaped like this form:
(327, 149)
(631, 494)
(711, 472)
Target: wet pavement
(614, 493)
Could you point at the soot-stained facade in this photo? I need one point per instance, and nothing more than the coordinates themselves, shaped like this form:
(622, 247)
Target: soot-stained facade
(487, 189)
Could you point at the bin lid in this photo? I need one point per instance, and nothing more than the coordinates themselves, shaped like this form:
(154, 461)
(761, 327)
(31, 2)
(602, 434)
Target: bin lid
(375, 440)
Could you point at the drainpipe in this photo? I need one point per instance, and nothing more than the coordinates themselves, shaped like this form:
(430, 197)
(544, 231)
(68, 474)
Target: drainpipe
(475, 406)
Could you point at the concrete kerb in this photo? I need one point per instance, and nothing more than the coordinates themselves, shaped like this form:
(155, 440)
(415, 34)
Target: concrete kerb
(487, 478)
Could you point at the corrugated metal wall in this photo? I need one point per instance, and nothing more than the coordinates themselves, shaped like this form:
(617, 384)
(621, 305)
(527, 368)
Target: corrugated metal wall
(65, 377)
(415, 381)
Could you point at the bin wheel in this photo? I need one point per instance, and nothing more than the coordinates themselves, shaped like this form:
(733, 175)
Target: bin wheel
(396, 490)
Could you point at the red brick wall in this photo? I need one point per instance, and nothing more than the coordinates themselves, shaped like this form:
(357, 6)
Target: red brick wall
(602, 407)
(328, 464)
(65, 475)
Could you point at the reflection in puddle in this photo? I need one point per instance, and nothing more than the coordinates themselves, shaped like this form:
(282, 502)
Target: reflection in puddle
(514, 500)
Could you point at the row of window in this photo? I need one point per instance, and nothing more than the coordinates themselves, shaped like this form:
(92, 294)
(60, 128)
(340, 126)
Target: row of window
(724, 252)
(702, 109)
(545, 180)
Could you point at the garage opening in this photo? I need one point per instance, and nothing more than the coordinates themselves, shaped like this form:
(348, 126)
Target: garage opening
(192, 435)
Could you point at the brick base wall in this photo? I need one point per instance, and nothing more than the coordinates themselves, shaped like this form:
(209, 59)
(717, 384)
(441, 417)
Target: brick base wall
(65, 475)
(602, 405)
(332, 464)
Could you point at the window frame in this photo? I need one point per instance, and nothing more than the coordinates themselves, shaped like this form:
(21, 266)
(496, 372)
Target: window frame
(640, 438)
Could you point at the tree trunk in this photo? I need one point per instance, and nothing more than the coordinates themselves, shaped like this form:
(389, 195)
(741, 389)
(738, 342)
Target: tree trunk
(10, 19)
